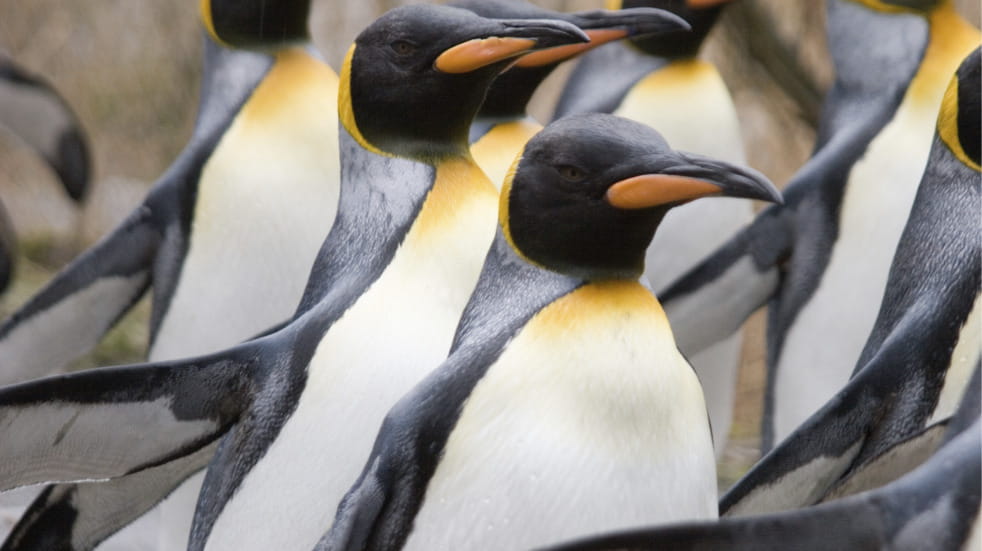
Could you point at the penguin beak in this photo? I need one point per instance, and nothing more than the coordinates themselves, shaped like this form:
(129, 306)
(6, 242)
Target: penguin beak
(507, 39)
(696, 177)
(603, 26)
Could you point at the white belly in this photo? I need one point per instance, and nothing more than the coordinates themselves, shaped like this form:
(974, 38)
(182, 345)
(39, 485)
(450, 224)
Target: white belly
(398, 331)
(592, 428)
(266, 200)
(823, 344)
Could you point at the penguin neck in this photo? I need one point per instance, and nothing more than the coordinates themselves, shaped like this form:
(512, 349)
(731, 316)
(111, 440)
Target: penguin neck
(510, 93)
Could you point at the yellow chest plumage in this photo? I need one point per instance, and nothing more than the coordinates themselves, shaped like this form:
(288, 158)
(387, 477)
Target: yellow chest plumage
(497, 149)
(589, 421)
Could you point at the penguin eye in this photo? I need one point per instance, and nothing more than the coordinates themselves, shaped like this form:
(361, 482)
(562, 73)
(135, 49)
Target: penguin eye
(403, 47)
(571, 173)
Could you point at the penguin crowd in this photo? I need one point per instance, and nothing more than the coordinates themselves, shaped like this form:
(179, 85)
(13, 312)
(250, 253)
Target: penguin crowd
(392, 310)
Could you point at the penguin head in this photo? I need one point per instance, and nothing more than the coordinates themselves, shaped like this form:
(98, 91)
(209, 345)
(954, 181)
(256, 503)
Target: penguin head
(415, 78)
(511, 91)
(961, 111)
(585, 196)
(256, 24)
(700, 14)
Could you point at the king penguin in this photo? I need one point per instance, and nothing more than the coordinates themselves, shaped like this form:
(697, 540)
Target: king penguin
(925, 343)
(935, 506)
(564, 406)
(225, 238)
(415, 217)
(660, 81)
(821, 260)
(503, 125)
(33, 111)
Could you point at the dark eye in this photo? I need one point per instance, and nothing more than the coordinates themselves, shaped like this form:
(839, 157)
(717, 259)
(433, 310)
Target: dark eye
(571, 173)
(402, 47)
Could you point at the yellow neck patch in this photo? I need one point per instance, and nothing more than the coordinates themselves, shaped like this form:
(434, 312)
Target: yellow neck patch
(503, 198)
(883, 7)
(458, 183)
(209, 23)
(613, 299)
(346, 112)
(495, 152)
(952, 38)
(948, 125)
(295, 77)
(613, 4)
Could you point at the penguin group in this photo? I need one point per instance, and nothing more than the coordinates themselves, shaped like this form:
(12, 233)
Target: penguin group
(392, 310)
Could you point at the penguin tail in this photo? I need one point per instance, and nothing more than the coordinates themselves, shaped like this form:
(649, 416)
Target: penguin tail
(938, 501)
(106, 423)
(712, 300)
(69, 315)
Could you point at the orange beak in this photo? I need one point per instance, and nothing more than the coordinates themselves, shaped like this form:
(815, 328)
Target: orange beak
(651, 190)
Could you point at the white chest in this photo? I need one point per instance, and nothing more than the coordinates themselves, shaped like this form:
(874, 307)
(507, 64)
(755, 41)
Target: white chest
(573, 431)
(877, 202)
(398, 331)
(266, 200)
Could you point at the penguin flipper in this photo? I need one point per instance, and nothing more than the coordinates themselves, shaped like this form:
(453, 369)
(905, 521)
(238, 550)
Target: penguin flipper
(70, 314)
(34, 111)
(78, 517)
(712, 300)
(8, 249)
(106, 423)
(932, 507)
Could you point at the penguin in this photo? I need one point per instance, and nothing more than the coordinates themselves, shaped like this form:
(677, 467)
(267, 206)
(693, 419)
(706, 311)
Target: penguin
(32, 110)
(913, 370)
(821, 261)
(660, 81)
(564, 406)
(390, 281)
(935, 506)
(224, 240)
(503, 125)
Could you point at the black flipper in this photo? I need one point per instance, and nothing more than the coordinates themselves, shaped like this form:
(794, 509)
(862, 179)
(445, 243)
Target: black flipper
(34, 111)
(73, 311)
(106, 423)
(712, 300)
(78, 517)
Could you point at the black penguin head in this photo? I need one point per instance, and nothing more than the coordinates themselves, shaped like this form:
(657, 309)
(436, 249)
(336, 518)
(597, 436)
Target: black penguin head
(961, 111)
(511, 91)
(586, 195)
(256, 23)
(415, 78)
(700, 14)
(900, 6)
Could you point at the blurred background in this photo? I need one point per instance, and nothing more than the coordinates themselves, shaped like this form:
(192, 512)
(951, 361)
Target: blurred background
(131, 69)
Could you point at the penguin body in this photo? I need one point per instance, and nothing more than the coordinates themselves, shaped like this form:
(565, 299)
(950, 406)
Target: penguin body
(564, 405)
(915, 366)
(412, 198)
(224, 238)
(660, 82)
(822, 259)
(935, 506)
(34, 112)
